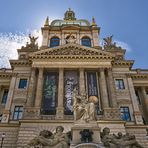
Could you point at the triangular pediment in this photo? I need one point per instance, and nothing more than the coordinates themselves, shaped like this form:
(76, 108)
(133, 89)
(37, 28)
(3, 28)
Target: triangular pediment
(71, 50)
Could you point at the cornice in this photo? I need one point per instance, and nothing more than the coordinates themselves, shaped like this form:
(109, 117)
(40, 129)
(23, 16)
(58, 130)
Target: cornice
(123, 63)
(139, 76)
(71, 51)
(6, 75)
(20, 63)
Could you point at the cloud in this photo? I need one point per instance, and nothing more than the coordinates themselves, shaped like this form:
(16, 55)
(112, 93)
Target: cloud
(123, 45)
(9, 43)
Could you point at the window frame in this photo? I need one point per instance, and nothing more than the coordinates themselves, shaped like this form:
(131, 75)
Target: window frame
(83, 41)
(119, 83)
(4, 100)
(19, 84)
(18, 111)
(125, 113)
(57, 39)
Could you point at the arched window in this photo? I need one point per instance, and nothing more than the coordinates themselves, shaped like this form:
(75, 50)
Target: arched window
(86, 41)
(54, 41)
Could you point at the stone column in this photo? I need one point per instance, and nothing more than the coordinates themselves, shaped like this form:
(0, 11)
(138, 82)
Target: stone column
(81, 81)
(104, 95)
(31, 89)
(60, 108)
(6, 113)
(39, 89)
(137, 113)
(145, 101)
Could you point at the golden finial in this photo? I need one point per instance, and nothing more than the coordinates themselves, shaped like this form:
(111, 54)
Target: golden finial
(93, 21)
(47, 22)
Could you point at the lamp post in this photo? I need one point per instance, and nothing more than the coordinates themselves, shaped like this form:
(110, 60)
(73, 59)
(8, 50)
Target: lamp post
(3, 136)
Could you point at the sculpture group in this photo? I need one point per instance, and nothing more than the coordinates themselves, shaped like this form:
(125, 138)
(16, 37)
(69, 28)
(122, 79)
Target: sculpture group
(119, 140)
(84, 111)
(47, 139)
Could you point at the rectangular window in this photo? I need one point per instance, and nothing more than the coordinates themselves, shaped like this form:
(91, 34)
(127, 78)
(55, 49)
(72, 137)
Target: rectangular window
(22, 83)
(70, 81)
(50, 93)
(18, 112)
(5, 95)
(125, 114)
(120, 84)
(92, 87)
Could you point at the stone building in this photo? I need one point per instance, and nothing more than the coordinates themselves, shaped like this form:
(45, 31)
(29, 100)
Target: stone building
(37, 92)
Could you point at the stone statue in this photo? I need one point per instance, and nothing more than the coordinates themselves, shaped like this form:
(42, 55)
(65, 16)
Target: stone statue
(84, 109)
(48, 140)
(70, 39)
(32, 44)
(32, 39)
(109, 42)
(119, 140)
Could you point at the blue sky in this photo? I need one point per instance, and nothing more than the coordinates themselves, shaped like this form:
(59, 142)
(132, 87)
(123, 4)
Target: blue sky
(127, 20)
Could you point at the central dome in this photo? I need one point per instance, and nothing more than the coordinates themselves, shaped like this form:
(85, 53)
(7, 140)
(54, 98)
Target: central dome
(69, 19)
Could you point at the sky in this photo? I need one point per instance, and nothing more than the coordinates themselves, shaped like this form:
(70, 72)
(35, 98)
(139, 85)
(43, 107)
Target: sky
(126, 20)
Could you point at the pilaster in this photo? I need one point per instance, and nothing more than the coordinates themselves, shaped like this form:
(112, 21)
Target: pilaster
(31, 89)
(104, 95)
(39, 89)
(6, 113)
(29, 110)
(112, 89)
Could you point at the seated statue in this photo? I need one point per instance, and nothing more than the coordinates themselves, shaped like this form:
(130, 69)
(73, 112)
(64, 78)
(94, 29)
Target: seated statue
(48, 140)
(84, 109)
(119, 140)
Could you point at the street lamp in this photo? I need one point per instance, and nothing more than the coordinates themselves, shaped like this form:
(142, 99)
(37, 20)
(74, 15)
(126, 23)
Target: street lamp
(3, 136)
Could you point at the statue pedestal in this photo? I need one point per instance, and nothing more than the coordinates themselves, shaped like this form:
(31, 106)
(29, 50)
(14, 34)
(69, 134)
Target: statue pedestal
(80, 127)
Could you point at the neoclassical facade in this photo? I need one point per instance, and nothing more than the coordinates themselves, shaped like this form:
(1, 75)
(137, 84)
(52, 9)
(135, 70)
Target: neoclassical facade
(37, 92)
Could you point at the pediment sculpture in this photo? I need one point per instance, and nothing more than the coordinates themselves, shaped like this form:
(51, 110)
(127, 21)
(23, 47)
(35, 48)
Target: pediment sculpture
(119, 140)
(47, 139)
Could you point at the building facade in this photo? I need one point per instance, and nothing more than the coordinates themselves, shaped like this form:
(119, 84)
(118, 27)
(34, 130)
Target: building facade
(37, 92)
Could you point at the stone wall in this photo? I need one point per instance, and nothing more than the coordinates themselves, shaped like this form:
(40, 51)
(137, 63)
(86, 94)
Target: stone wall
(11, 135)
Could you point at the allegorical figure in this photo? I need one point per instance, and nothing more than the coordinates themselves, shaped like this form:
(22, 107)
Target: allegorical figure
(84, 109)
(49, 140)
(119, 140)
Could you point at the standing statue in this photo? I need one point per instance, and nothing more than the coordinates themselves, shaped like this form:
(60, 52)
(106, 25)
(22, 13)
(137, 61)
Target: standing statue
(84, 109)
(48, 140)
